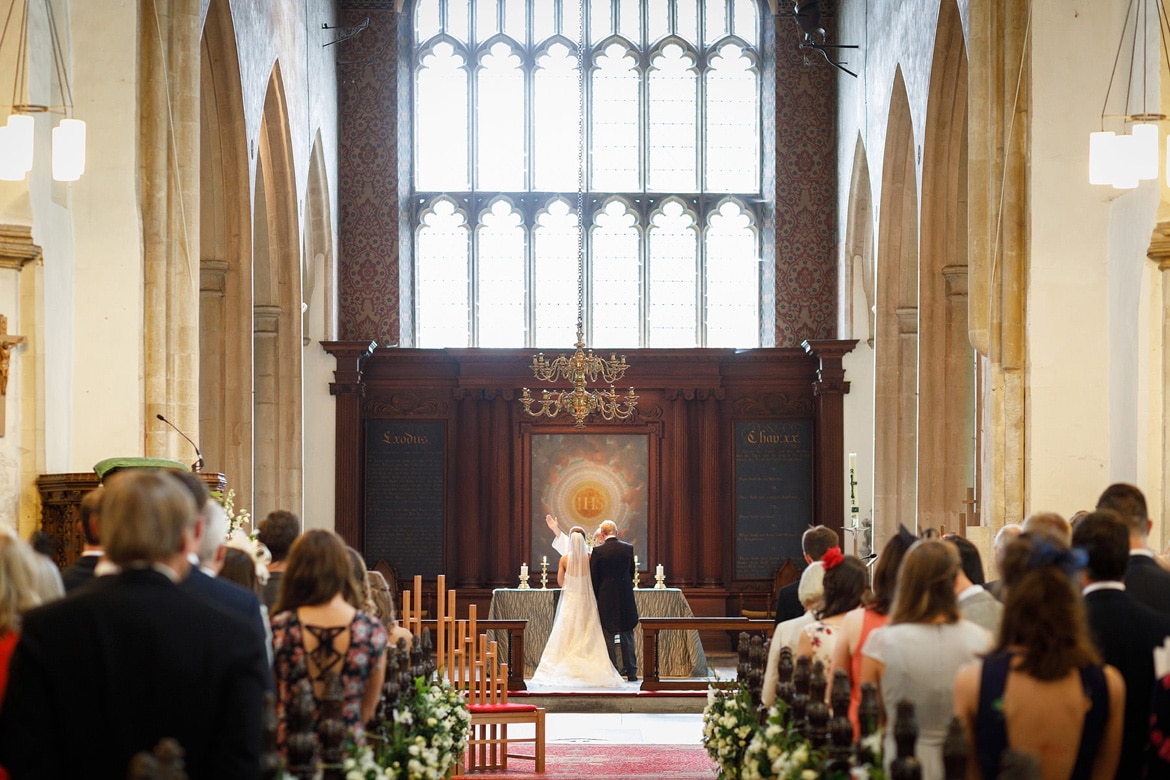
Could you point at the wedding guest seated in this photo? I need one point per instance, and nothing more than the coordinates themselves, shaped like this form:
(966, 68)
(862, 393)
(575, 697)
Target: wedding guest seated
(1003, 537)
(787, 634)
(815, 542)
(384, 608)
(1145, 580)
(81, 571)
(316, 630)
(277, 532)
(46, 577)
(845, 581)
(1043, 689)
(916, 656)
(874, 613)
(975, 602)
(1124, 631)
(136, 658)
(1049, 523)
(17, 593)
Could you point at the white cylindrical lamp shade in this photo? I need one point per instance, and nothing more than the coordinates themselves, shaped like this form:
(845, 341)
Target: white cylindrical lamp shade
(10, 169)
(1102, 154)
(1145, 135)
(1125, 166)
(69, 150)
(20, 133)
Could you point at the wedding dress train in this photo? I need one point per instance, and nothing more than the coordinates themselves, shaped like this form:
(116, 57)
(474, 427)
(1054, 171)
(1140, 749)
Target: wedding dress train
(575, 655)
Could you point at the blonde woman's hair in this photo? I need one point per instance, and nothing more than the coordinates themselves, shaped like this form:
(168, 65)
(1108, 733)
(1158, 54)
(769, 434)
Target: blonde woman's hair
(926, 584)
(18, 580)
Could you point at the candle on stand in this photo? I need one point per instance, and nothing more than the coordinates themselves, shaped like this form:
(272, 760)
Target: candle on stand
(544, 559)
(635, 563)
(523, 570)
(658, 571)
(852, 463)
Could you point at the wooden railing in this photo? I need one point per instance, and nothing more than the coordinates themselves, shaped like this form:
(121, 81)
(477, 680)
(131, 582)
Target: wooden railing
(515, 629)
(652, 625)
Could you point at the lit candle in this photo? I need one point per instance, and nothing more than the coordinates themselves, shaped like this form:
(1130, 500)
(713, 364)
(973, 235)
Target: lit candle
(544, 559)
(635, 563)
(852, 462)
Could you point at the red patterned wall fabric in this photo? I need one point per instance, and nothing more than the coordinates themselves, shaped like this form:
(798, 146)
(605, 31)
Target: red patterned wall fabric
(805, 225)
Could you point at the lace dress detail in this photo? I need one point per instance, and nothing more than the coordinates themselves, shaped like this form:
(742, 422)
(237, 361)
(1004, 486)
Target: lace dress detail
(292, 662)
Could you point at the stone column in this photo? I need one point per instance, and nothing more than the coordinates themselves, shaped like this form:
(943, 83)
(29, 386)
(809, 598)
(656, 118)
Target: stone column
(958, 470)
(1159, 253)
(212, 437)
(906, 505)
(266, 460)
(169, 142)
(17, 250)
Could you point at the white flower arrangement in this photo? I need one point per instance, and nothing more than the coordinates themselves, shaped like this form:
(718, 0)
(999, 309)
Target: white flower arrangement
(254, 549)
(729, 722)
(425, 738)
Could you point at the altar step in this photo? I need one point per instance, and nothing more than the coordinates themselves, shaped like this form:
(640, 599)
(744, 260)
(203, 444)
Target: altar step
(620, 701)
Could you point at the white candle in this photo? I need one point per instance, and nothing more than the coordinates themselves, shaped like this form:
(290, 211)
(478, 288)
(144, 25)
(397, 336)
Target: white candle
(523, 570)
(635, 563)
(852, 462)
(544, 559)
(658, 571)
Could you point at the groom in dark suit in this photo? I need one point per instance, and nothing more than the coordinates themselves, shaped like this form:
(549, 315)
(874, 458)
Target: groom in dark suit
(612, 568)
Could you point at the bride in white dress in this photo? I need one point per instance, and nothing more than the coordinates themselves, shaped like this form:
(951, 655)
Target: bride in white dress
(575, 656)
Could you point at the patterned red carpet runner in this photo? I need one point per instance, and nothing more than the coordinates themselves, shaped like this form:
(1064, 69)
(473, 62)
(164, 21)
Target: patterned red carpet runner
(613, 762)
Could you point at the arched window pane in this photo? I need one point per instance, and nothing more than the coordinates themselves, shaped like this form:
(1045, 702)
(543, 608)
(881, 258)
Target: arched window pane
(615, 127)
(673, 278)
(557, 121)
(601, 23)
(500, 121)
(441, 122)
(443, 275)
(673, 122)
(733, 269)
(715, 25)
(459, 20)
(557, 241)
(688, 22)
(616, 277)
(630, 21)
(501, 277)
(747, 23)
(733, 117)
(426, 21)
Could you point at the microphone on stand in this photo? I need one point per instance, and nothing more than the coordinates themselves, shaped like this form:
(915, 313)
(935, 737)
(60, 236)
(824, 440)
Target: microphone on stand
(197, 466)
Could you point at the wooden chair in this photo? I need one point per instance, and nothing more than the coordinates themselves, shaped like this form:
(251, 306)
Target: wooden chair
(783, 575)
(472, 664)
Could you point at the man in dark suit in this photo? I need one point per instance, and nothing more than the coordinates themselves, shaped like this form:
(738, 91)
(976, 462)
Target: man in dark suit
(612, 568)
(1145, 580)
(210, 533)
(117, 666)
(81, 571)
(1124, 630)
(815, 542)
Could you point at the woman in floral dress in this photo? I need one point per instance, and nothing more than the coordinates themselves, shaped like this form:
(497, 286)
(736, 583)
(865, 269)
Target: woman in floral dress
(845, 582)
(315, 632)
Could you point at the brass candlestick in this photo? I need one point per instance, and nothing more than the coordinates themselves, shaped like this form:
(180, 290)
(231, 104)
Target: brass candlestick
(523, 576)
(544, 573)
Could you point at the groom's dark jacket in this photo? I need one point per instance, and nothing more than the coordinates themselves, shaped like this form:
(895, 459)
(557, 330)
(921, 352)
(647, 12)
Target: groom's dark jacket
(612, 567)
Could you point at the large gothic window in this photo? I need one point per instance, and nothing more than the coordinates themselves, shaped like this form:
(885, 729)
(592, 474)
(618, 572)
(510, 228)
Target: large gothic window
(665, 210)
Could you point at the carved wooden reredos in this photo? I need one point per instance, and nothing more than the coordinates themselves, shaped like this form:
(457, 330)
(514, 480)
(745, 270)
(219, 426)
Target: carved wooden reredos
(458, 408)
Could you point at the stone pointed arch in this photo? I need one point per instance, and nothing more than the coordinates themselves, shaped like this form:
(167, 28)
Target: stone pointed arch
(277, 297)
(859, 249)
(319, 283)
(946, 380)
(225, 263)
(896, 337)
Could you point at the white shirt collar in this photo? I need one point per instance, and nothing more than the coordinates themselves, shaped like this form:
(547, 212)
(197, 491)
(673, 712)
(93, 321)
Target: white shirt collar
(968, 592)
(1093, 587)
(1147, 552)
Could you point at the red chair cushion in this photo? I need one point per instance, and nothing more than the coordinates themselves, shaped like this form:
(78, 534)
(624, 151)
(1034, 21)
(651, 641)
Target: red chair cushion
(489, 708)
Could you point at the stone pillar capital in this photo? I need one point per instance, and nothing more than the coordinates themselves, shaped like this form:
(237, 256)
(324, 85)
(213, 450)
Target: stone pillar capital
(16, 247)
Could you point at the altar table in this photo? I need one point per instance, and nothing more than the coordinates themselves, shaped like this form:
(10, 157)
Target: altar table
(680, 653)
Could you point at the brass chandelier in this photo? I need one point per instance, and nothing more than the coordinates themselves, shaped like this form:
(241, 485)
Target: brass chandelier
(580, 368)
